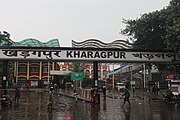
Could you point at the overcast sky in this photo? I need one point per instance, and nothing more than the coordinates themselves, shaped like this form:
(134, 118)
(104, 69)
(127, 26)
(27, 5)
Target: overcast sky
(70, 20)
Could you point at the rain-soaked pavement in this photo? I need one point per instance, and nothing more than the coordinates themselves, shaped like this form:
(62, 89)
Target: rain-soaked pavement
(33, 106)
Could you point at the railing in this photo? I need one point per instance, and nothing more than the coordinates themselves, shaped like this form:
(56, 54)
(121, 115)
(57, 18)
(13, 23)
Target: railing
(85, 94)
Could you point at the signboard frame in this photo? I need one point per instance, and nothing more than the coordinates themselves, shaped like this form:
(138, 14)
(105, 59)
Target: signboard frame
(76, 76)
(86, 54)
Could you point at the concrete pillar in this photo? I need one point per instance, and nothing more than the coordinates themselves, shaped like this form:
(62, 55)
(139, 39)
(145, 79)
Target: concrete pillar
(5, 76)
(95, 67)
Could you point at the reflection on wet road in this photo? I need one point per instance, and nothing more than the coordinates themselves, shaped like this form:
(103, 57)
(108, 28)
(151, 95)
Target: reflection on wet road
(33, 106)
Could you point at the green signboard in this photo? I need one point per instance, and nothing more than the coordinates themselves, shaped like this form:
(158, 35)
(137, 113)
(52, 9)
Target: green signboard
(76, 76)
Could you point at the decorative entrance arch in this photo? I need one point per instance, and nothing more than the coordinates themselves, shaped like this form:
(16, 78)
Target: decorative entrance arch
(94, 55)
(86, 54)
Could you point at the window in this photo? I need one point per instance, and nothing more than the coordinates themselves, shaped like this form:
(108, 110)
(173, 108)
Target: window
(34, 69)
(22, 69)
(45, 68)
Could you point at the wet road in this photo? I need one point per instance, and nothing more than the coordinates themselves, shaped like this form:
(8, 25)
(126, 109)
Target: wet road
(33, 106)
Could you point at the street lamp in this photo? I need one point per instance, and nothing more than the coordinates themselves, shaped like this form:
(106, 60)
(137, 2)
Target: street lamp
(144, 74)
(131, 75)
(113, 77)
(48, 72)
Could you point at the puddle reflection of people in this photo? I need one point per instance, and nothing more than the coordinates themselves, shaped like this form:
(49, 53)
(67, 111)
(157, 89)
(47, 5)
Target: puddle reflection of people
(50, 115)
(94, 111)
(104, 105)
(127, 113)
(50, 102)
(17, 95)
(69, 116)
(104, 92)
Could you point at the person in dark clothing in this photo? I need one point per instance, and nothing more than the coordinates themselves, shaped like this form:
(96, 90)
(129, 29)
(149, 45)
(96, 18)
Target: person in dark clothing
(17, 94)
(75, 95)
(126, 97)
(104, 92)
(133, 91)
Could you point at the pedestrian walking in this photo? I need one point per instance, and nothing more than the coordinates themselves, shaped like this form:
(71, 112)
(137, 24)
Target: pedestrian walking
(126, 97)
(95, 97)
(156, 90)
(17, 94)
(51, 88)
(133, 91)
(75, 95)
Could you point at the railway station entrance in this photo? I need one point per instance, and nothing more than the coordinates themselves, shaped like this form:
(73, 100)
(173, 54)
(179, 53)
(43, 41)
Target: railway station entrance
(94, 55)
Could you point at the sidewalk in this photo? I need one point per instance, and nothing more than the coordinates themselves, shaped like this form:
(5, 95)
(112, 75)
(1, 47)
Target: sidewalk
(115, 95)
(109, 109)
(70, 93)
(84, 94)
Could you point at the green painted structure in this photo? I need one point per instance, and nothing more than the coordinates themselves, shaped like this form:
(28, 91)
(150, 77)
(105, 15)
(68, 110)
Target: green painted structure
(31, 42)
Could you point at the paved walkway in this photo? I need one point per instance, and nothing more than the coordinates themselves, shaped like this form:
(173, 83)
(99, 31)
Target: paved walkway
(141, 107)
(84, 94)
(115, 95)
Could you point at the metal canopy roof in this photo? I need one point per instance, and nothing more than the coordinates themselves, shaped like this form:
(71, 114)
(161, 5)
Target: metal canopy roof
(31, 42)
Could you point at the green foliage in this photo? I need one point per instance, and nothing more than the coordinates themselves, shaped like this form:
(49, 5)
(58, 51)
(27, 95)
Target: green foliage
(5, 39)
(157, 30)
(147, 31)
(87, 83)
(9, 70)
(172, 37)
(78, 67)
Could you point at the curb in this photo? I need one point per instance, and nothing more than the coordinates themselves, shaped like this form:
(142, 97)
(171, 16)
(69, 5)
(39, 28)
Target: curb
(71, 96)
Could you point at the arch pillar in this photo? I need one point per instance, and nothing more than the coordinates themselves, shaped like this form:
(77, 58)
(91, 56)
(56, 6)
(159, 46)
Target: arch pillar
(95, 67)
(5, 76)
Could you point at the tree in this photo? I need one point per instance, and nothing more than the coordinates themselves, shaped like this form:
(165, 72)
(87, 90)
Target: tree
(172, 37)
(5, 41)
(146, 31)
(157, 30)
(78, 67)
